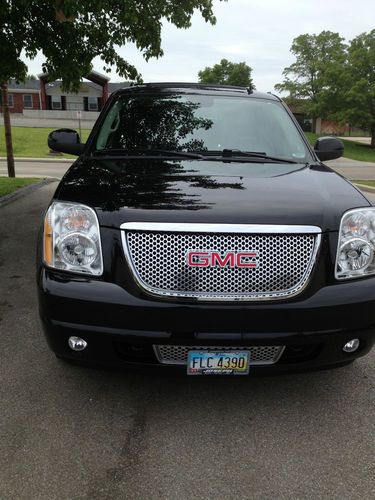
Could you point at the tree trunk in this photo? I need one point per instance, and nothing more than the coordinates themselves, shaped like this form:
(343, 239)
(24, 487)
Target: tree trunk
(373, 136)
(314, 125)
(8, 130)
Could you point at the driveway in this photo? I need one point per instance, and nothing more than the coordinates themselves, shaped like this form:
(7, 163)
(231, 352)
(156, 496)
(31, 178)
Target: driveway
(74, 433)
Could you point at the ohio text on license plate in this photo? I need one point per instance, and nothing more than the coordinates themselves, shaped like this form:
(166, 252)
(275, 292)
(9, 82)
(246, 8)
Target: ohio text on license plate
(218, 363)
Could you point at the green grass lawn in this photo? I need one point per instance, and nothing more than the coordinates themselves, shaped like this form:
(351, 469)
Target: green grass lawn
(31, 142)
(365, 183)
(353, 150)
(8, 185)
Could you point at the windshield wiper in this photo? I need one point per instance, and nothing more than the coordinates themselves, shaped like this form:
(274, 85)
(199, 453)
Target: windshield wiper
(229, 154)
(233, 153)
(135, 153)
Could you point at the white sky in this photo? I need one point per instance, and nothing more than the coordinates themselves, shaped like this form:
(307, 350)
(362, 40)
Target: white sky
(259, 32)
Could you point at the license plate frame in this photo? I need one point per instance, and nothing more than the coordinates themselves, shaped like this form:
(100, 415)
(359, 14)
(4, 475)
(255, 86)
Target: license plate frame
(208, 362)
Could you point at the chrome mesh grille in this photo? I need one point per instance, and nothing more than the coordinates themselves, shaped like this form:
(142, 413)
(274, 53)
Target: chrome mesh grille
(177, 354)
(159, 262)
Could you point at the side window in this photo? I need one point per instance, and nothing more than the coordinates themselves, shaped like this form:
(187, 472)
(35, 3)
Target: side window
(289, 141)
(110, 125)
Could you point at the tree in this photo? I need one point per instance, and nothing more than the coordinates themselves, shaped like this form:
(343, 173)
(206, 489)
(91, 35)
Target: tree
(169, 122)
(227, 73)
(70, 33)
(359, 97)
(7, 128)
(315, 76)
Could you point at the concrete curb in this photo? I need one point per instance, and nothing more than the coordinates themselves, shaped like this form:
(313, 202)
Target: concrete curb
(43, 160)
(363, 187)
(23, 191)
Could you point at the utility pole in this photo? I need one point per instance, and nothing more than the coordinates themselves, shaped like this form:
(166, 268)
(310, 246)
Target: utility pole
(8, 130)
(79, 116)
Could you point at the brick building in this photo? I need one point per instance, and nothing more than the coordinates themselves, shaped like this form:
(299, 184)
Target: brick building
(43, 94)
(22, 96)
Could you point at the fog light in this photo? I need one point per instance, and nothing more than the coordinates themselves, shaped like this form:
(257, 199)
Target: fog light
(77, 344)
(351, 346)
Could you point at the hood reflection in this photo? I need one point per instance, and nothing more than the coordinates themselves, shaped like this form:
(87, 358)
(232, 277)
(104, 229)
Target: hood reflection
(145, 184)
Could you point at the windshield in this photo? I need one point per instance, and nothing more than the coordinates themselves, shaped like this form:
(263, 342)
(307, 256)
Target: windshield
(201, 124)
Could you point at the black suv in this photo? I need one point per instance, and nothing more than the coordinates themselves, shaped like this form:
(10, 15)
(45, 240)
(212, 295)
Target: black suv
(198, 229)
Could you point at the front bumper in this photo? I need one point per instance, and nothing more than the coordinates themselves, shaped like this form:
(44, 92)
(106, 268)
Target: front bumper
(121, 328)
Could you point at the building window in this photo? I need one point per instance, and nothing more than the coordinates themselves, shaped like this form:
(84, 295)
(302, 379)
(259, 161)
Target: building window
(93, 103)
(10, 100)
(27, 101)
(56, 102)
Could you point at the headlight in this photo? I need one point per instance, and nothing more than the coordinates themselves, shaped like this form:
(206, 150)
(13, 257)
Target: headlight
(356, 245)
(72, 239)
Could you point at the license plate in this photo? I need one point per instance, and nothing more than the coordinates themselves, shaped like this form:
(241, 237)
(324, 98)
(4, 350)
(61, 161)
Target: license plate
(218, 363)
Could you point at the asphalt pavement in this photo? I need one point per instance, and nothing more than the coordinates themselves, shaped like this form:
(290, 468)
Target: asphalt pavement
(353, 169)
(75, 433)
(37, 168)
(50, 167)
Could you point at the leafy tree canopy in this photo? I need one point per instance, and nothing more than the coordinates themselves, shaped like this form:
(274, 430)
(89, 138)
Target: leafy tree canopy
(358, 105)
(165, 123)
(227, 73)
(316, 74)
(70, 33)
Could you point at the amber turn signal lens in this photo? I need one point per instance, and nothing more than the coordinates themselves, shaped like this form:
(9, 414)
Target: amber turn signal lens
(48, 242)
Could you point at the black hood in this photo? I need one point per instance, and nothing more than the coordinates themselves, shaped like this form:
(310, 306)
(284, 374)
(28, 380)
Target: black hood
(147, 190)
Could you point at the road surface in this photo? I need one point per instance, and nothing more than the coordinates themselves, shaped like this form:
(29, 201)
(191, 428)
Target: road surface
(54, 168)
(37, 168)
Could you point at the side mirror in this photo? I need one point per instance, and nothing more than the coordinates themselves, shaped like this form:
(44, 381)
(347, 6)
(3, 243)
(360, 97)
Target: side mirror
(328, 148)
(65, 140)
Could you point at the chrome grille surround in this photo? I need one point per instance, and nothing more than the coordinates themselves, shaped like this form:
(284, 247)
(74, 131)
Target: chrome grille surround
(178, 354)
(156, 254)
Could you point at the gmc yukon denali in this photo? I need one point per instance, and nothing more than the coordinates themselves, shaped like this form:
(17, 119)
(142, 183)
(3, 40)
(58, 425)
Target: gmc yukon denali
(198, 230)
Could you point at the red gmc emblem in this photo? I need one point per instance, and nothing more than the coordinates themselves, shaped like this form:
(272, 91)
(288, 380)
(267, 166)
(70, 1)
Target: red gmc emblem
(216, 259)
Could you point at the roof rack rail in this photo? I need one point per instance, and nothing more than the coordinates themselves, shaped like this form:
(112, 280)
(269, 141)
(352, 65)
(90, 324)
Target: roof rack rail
(212, 86)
